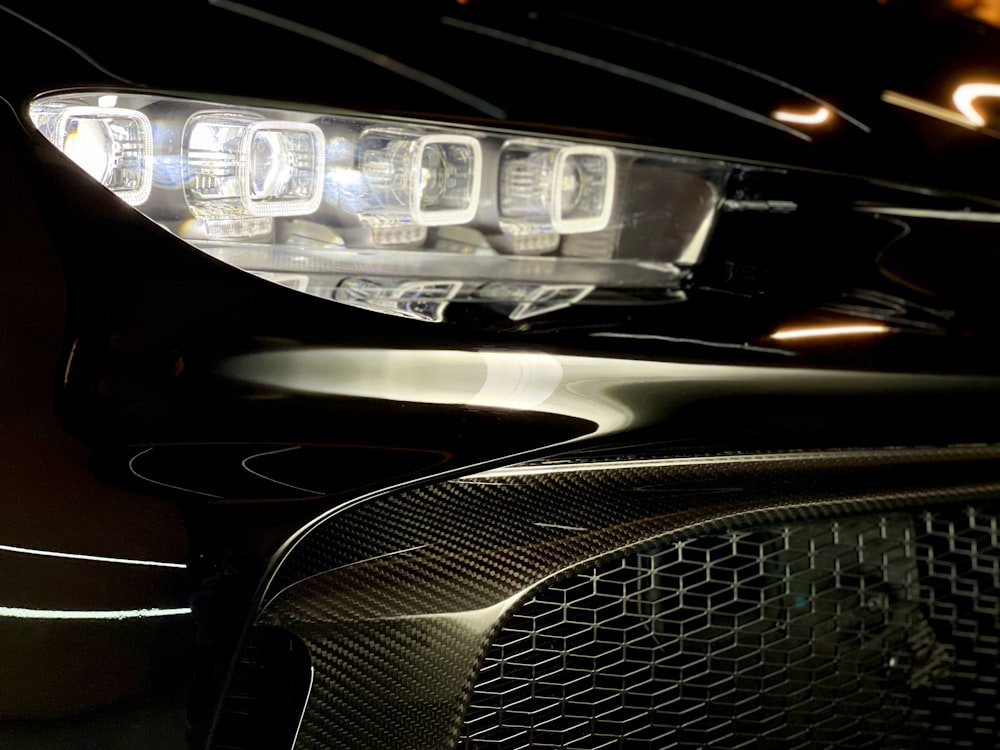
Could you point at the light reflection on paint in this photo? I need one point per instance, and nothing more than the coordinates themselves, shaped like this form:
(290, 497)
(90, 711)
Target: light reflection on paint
(828, 331)
(926, 108)
(519, 381)
(23, 613)
(610, 394)
(131, 467)
(821, 115)
(245, 463)
(89, 558)
(982, 217)
(966, 94)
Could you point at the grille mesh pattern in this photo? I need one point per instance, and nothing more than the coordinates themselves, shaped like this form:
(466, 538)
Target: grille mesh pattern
(877, 631)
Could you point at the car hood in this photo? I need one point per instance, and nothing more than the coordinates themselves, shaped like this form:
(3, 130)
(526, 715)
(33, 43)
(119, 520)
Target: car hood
(702, 78)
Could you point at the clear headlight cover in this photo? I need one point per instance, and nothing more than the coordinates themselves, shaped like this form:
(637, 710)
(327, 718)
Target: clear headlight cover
(400, 216)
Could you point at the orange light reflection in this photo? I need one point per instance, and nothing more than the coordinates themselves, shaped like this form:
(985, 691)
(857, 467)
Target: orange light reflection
(926, 108)
(786, 334)
(966, 94)
(818, 117)
(986, 11)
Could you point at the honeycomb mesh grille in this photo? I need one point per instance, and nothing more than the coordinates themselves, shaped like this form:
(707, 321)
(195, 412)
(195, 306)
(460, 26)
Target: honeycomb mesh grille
(879, 631)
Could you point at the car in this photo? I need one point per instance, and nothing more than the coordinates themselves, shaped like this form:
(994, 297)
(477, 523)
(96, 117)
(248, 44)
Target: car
(499, 375)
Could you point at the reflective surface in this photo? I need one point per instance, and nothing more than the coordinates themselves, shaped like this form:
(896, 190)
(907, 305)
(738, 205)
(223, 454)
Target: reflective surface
(159, 408)
(95, 605)
(399, 598)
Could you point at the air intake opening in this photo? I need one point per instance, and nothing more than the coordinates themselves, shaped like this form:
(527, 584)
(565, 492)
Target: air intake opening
(874, 631)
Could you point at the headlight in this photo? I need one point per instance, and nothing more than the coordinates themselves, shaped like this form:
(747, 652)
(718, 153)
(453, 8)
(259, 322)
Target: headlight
(399, 216)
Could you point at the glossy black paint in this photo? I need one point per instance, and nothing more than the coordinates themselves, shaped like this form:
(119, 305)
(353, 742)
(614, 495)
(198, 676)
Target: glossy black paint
(513, 57)
(62, 680)
(145, 383)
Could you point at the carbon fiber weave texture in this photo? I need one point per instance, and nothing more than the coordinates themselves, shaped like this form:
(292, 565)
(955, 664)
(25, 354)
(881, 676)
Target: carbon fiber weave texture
(399, 599)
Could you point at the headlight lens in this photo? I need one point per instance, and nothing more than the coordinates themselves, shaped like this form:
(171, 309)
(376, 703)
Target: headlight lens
(400, 216)
(237, 166)
(113, 145)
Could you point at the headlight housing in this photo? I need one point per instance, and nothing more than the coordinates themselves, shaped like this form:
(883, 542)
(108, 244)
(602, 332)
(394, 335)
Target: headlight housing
(399, 216)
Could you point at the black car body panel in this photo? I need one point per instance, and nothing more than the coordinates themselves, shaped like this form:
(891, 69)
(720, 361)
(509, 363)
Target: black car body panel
(194, 452)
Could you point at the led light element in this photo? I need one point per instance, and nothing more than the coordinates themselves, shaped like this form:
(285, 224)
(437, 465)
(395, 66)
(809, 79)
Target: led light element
(430, 180)
(282, 168)
(238, 166)
(535, 299)
(546, 188)
(211, 165)
(399, 234)
(418, 300)
(548, 298)
(297, 281)
(114, 146)
(405, 217)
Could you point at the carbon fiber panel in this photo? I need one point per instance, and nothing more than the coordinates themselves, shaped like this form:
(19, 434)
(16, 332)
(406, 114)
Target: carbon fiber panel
(399, 598)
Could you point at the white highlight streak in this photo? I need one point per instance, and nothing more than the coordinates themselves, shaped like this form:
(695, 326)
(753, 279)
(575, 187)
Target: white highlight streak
(620, 70)
(818, 117)
(131, 467)
(90, 558)
(22, 613)
(341, 567)
(562, 528)
(809, 333)
(364, 53)
(276, 481)
(62, 41)
(981, 217)
(926, 108)
(305, 705)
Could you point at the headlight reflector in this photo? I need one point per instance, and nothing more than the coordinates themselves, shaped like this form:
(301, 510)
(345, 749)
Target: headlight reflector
(430, 180)
(235, 165)
(546, 188)
(113, 145)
